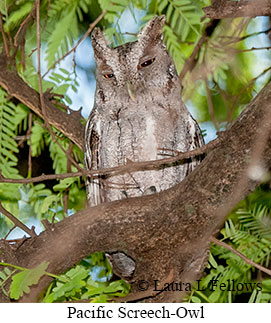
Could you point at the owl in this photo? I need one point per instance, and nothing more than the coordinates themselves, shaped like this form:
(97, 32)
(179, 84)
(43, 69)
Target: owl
(138, 115)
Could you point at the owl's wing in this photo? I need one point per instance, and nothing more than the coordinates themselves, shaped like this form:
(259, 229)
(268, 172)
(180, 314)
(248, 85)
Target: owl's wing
(196, 141)
(91, 158)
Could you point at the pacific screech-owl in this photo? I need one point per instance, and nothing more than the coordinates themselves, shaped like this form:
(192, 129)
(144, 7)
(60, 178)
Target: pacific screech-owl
(138, 112)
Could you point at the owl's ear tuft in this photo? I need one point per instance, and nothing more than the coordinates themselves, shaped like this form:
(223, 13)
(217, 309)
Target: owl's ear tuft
(152, 31)
(99, 44)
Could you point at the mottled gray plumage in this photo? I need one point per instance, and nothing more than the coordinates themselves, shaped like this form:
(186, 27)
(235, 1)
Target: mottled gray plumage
(138, 112)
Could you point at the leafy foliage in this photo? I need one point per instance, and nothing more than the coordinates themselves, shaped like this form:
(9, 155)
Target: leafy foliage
(5, 275)
(78, 283)
(17, 16)
(248, 230)
(8, 146)
(64, 32)
(22, 280)
(11, 119)
(115, 9)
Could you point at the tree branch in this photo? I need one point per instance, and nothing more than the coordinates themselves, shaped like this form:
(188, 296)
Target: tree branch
(163, 232)
(68, 124)
(243, 8)
(17, 222)
(5, 40)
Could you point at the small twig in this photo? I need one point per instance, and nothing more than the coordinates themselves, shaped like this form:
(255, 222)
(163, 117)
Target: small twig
(233, 40)
(131, 34)
(16, 240)
(210, 104)
(248, 261)
(91, 26)
(130, 167)
(17, 222)
(40, 178)
(38, 56)
(23, 54)
(58, 103)
(190, 62)
(66, 193)
(10, 230)
(118, 186)
(32, 52)
(30, 146)
(19, 39)
(6, 45)
(237, 51)
(22, 29)
(237, 97)
(21, 139)
(47, 225)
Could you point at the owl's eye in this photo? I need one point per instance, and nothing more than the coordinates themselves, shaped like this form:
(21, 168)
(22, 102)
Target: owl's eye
(146, 63)
(108, 76)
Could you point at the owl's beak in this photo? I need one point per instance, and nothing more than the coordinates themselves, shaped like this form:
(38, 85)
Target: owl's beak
(130, 91)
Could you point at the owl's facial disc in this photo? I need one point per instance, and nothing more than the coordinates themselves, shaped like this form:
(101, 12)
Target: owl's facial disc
(133, 70)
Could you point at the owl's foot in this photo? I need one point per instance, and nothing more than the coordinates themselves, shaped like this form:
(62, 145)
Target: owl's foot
(150, 190)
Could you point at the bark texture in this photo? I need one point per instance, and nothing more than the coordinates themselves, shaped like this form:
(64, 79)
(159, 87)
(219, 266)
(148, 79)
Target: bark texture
(244, 8)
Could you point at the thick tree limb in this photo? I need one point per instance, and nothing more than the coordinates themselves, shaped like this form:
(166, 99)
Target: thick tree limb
(165, 232)
(68, 124)
(244, 8)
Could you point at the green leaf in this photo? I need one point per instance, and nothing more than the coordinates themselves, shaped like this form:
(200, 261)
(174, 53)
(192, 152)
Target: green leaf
(48, 202)
(162, 5)
(100, 299)
(23, 280)
(212, 261)
(17, 16)
(63, 34)
(266, 284)
(8, 146)
(195, 299)
(114, 8)
(69, 283)
(7, 271)
(2, 275)
(64, 184)
(253, 296)
(58, 156)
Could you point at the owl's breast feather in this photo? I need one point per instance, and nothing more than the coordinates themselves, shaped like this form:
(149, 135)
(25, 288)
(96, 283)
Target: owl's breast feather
(149, 146)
